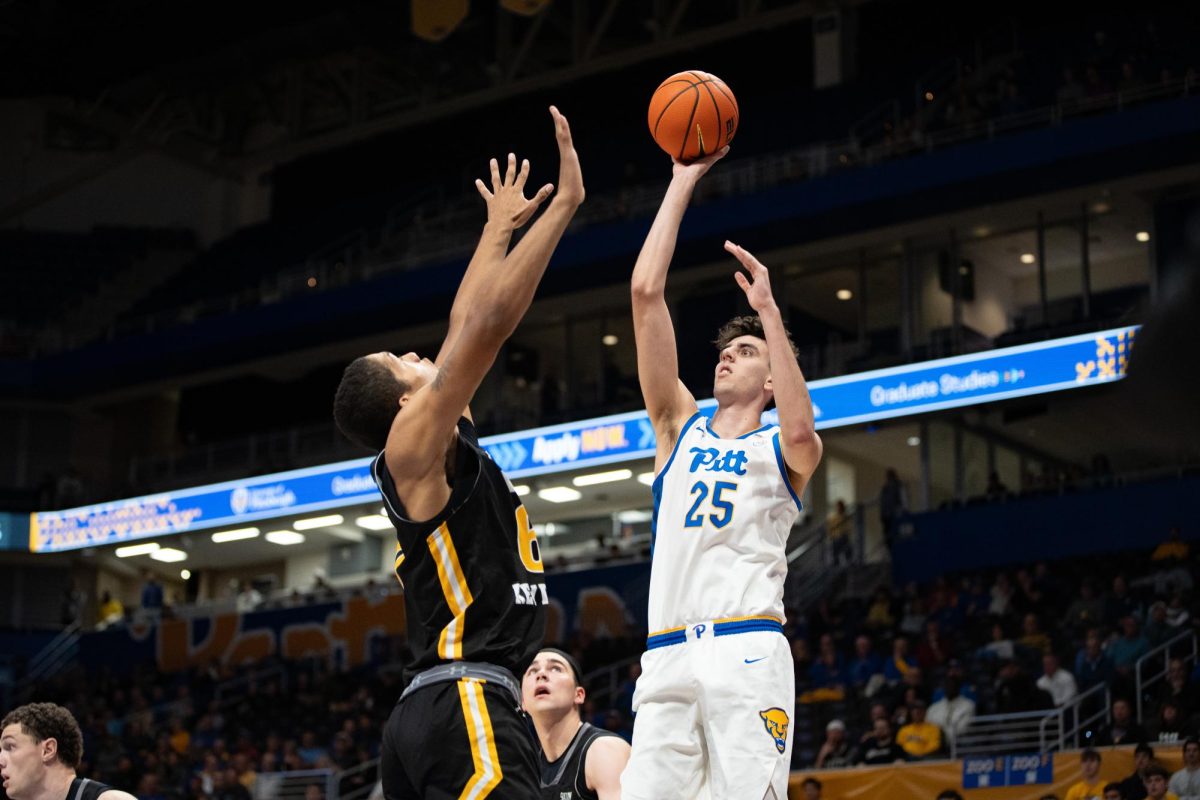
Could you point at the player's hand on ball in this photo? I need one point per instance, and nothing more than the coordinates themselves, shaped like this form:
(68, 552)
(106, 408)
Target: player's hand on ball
(695, 169)
(506, 202)
(570, 176)
(758, 286)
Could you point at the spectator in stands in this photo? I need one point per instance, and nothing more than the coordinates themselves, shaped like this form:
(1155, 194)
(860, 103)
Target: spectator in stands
(1173, 549)
(1002, 596)
(812, 789)
(110, 612)
(1056, 681)
(1157, 631)
(1085, 612)
(949, 794)
(838, 525)
(1070, 92)
(1135, 785)
(880, 747)
(72, 605)
(900, 663)
(1156, 778)
(1092, 785)
(1186, 782)
(919, 739)
(1179, 690)
(230, 788)
(835, 750)
(1000, 646)
(248, 598)
(152, 593)
(1128, 648)
(311, 752)
(893, 503)
(866, 669)
(1123, 729)
(880, 615)
(954, 711)
(996, 490)
(1015, 691)
(934, 649)
(1177, 613)
(1170, 727)
(827, 677)
(912, 685)
(1092, 664)
(1032, 636)
(1112, 791)
(1120, 603)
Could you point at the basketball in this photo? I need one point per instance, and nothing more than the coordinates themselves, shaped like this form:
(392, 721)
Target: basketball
(692, 114)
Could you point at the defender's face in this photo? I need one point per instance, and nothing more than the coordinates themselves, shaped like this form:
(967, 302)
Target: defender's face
(549, 685)
(409, 368)
(742, 368)
(21, 765)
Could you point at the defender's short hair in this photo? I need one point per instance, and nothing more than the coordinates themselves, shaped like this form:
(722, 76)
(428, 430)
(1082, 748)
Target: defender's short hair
(366, 402)
(43, 721)
(746, 325)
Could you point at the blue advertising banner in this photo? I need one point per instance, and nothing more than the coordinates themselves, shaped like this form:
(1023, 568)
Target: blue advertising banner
(990, 772)
(993, 375)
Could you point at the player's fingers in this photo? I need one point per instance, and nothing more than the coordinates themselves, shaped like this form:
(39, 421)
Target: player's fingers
(742, 281)
(495, 168)
(482, 187)
(561, 128)
(511, 172)
(523, 175)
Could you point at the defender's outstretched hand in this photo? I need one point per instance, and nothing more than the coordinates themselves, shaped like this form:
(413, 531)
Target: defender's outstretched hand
(570, 176)
(506, 201)
(758, 286)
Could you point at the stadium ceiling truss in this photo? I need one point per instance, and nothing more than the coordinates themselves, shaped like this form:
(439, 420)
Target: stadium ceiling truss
(236, 117)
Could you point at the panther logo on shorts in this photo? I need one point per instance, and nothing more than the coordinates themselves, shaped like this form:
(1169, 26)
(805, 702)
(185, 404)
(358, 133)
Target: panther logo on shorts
(776, 722)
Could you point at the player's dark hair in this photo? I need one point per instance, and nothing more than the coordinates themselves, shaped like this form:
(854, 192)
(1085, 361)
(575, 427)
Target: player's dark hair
(746, 325)
(43, 721)
(366, 402)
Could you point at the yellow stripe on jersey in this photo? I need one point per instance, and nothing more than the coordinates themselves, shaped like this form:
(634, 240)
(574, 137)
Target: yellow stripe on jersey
(454, 588)
(399, 555)
(669, 630)
(483, 743)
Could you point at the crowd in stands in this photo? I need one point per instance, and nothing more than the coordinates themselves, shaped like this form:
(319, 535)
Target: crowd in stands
(897, 675)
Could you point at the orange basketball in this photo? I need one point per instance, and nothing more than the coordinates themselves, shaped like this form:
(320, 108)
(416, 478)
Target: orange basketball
(692, 114)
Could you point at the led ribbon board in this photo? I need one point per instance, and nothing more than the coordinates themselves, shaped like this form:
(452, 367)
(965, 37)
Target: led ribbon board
(1069, 363)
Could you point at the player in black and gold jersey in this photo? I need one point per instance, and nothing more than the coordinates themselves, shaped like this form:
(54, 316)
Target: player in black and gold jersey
(578, 761)
(41, 746)
(474, 592)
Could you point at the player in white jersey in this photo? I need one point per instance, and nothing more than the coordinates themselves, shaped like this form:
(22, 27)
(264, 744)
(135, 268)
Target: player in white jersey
(715, 699)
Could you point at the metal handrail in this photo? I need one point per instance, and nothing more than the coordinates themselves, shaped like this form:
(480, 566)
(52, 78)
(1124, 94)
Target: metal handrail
(362, 791)
(51, 658)
(1162, 649)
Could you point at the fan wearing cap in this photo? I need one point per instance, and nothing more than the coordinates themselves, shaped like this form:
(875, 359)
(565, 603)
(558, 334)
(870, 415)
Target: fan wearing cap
(835, 751)
(578, 761)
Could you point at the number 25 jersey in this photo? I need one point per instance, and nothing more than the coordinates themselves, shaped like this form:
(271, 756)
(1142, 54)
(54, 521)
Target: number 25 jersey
(723, 509)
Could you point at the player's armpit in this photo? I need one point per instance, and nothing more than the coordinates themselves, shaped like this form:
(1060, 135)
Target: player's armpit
(606, 760)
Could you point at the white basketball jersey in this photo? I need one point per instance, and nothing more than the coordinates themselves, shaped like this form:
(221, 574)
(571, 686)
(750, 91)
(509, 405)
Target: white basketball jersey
(723, 509)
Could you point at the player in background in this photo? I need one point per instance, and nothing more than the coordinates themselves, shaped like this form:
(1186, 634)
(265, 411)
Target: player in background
(41, 746)
(578, 761)
(474, 591)
(717, 690)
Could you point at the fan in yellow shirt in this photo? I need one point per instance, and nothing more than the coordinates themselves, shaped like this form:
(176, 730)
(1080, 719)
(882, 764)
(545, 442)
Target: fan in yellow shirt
(1092, 786)
(919, 739)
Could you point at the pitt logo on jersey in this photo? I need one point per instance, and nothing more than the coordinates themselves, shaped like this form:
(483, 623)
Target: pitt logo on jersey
(713, 460)
(776, 722)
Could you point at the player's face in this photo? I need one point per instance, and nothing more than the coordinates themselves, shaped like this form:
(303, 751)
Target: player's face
(742, 369)
(549, 685)
(409, 368)
(21, 765)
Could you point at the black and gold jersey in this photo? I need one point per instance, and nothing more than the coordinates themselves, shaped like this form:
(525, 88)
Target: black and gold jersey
(472, 575)
(565, 779)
